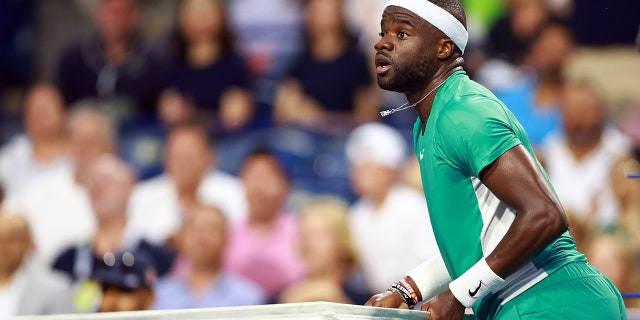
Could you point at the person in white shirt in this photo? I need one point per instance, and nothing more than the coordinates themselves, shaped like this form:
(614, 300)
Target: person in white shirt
(42, 149)
(579, 159)
(388, 215)
(57, 205)
(157, 205)
(26, 288)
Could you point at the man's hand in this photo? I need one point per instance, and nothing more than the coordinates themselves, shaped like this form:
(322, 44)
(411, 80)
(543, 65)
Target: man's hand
(387, 299)
(444, 306)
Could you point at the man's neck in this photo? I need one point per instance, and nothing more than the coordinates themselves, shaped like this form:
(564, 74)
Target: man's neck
(110, 234)
(47, 150)
(200, 276)
(424, 108)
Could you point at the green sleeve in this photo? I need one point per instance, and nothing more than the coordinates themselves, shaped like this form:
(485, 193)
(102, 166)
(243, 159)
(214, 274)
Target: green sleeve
(474, 136)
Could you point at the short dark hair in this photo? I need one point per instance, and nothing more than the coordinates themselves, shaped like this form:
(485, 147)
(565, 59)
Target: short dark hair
(266, 150)
(454, 7)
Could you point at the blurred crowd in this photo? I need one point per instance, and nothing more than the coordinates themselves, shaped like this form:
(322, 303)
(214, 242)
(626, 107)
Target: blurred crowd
(206, 153)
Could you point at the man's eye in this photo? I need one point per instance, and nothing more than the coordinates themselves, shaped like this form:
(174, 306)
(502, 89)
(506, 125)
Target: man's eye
(381, 34)
(402, 35)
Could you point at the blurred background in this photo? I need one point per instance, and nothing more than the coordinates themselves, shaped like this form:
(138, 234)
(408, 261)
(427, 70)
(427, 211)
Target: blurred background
(168, 154)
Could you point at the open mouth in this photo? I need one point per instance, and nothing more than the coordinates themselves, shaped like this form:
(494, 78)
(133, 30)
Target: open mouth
(383, 64)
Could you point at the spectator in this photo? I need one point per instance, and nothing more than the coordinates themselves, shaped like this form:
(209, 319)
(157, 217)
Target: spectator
(26, 288)
(331, 80)
(205, 69)
(110, 185)
(266, 238)
(388, 215)
(126, 281)
(111, 64)
(189, 179)
(579, 159)
(58, 207)
(43, 149)
(330, 258)
(204, 283)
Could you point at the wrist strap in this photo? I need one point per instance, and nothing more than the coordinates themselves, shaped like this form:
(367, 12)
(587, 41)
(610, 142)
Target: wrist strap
(405, 290)
(475, 284)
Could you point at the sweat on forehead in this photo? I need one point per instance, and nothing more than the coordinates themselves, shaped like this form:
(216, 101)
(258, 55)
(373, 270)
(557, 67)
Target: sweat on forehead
(438, 17)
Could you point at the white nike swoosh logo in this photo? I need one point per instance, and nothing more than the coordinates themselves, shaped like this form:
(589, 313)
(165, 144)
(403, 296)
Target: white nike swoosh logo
(421, 154)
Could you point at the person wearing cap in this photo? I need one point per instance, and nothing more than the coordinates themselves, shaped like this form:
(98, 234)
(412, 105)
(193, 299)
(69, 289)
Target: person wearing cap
(502, 234)
(388, 214)
(126, 280)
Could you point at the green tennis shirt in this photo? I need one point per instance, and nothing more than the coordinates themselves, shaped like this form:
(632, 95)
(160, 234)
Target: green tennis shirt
(467, 130)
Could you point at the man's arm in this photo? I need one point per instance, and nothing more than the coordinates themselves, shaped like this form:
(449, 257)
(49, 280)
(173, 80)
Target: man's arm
(516, 179)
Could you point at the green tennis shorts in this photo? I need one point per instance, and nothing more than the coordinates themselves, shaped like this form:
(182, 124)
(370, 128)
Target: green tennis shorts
(575, 291)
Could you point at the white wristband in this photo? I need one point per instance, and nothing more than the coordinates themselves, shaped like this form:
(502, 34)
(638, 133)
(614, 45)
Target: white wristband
(475, 283)
(431, 277)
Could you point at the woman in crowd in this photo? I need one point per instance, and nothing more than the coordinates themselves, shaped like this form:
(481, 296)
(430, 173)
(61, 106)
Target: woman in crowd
(204, 71)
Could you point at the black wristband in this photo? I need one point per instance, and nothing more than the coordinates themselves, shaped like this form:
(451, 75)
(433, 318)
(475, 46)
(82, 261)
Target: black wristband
(404, 293)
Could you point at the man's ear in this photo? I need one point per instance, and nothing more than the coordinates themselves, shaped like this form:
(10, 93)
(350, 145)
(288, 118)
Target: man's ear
(446, 49)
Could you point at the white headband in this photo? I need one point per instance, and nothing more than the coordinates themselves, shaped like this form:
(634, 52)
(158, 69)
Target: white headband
(438, 17)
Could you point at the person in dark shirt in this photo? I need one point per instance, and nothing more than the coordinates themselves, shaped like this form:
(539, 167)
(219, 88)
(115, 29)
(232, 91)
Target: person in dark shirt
(111, 64)
(204, 69)
(330, 81)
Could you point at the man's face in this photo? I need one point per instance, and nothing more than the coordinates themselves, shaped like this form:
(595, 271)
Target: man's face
(266, 185)
(110, 184)
(204, 236)
(405, 54)
(88, 140)
(188, 157)
(583, 116)
(116, 18)
(44, 113)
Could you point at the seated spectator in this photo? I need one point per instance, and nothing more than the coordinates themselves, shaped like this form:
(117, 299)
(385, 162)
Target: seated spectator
(204, 68)
(43, 149)
(110, 185)
(388, 215)
(580, 158)
(126, 281)
(262, 246)
(158, 204)
(324, 242)
(331, 80)
(58, 206)
(111, 64)
(26, 288)
(203, 283)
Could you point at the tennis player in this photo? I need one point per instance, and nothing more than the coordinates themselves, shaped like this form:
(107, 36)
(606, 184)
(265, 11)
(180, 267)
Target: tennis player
(504, 242)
